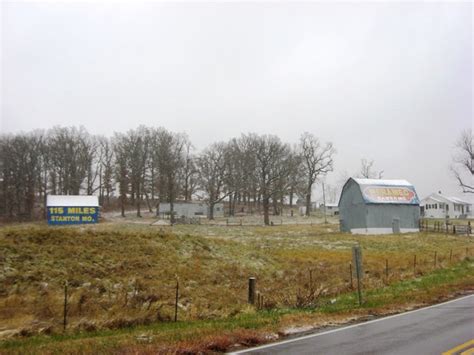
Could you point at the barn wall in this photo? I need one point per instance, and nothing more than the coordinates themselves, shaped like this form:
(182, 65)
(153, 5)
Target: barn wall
(381, 216)
(352, 208)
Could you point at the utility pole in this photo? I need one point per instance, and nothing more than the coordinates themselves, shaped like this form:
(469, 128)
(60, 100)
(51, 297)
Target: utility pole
(324, 201)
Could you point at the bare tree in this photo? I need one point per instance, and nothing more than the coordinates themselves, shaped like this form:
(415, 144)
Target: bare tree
(213, 175)
(138, 148)
(92, 156)
(246, 175)
(106, 170)
(367, 170)
(341, 180)
(120, 148)
(463, 166)
(70, 157)
(190, 173)
(170, 157)
(317, 160)
(20, 172)
(238, 177)
(271, 155)
(296, 178)
(252, 171)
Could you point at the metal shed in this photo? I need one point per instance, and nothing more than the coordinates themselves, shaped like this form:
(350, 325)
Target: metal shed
(375, 206)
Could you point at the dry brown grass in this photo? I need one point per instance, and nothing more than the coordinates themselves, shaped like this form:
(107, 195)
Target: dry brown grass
(123, 276)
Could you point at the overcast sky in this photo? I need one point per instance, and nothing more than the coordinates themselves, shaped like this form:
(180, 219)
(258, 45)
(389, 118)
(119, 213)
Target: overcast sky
(390, 82)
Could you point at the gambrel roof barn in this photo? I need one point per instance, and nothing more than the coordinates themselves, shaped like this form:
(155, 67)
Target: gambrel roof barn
(375, 206)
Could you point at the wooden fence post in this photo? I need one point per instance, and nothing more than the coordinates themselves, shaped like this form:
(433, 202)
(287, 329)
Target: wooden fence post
(386, 270)
(435, 258)
(176, 301)
(414, 265)
(350, 272)
(252, 289)
(65, 306)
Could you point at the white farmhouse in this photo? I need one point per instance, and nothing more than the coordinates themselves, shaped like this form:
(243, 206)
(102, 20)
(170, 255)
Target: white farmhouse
(437, 205)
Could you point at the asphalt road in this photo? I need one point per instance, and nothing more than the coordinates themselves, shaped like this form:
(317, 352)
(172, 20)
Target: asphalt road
(431, 330)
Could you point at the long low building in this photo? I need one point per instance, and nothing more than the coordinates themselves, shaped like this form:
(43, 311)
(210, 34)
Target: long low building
(437, 205)
(332, 209)
(190, 209)
(375, 206)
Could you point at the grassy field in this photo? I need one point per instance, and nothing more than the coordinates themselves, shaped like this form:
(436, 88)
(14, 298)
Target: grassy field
(122, 280)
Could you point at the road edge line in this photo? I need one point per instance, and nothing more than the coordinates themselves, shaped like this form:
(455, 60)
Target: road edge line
(346, 327)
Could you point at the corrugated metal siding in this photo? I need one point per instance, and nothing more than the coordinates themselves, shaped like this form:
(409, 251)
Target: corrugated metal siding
(382, 216)
(352, 208)
(355, 213)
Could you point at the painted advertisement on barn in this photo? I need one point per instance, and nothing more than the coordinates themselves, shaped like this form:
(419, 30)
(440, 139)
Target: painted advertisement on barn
(390, 194)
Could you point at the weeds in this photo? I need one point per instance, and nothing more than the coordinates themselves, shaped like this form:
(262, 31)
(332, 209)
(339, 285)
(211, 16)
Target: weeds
(125, 277)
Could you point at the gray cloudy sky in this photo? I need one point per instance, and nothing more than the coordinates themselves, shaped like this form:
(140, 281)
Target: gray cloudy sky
(385, 81)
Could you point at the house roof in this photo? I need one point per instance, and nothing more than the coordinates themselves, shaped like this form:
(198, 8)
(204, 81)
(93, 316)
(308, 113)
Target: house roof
(460, 201)
(72, 201)
(383, 191)
(434, 199)
(441, 198)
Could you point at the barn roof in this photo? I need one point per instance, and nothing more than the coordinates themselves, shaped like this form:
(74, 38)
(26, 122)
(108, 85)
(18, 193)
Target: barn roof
(72, 201)
(382, 182)
(383, 191)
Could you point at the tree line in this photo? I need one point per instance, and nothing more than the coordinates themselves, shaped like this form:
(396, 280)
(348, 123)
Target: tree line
(147, 165)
